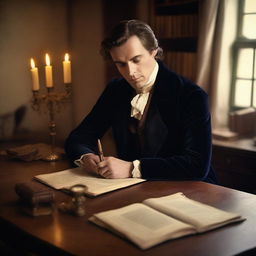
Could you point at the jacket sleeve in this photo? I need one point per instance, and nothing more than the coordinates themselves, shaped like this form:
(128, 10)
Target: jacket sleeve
(192, 160)
(83, 139)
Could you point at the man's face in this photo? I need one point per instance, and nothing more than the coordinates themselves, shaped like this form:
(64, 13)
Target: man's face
(134, 62)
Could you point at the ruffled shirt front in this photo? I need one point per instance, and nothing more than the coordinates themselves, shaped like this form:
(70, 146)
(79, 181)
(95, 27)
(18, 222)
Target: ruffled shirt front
(140, 100)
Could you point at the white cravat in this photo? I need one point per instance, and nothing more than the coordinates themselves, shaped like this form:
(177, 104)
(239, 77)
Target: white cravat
(140, 100)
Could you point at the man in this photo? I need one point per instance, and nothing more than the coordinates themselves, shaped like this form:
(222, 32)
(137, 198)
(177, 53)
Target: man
(160, 121)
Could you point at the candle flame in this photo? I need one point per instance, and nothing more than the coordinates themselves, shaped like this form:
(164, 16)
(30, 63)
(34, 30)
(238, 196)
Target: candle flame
(47, 59)
(32, 63)
(66, 57)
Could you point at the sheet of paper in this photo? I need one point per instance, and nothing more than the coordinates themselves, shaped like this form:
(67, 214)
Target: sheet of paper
(96, 185)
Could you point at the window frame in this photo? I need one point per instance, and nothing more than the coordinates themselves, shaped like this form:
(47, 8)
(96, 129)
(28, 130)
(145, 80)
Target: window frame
(241, 42)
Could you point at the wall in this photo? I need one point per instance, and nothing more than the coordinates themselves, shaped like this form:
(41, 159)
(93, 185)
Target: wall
(88, 67)
(30, 28)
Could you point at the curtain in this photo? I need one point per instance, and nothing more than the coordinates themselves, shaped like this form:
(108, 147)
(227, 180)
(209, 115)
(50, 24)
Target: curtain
(217, 33)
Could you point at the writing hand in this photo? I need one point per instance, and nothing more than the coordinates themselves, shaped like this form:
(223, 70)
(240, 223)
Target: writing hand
(114, 168)
(90, 162)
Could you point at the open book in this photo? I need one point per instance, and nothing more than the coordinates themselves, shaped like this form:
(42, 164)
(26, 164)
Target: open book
(95, 184)
(159, 219)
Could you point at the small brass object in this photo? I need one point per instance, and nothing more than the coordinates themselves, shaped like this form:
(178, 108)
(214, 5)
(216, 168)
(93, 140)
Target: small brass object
(76, 205)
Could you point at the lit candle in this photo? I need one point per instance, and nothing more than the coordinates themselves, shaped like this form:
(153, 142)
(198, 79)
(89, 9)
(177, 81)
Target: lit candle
(34, 73)
(48, 72)
(67, 69)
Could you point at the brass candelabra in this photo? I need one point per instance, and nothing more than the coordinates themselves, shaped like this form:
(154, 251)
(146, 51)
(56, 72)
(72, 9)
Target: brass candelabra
(52, 102)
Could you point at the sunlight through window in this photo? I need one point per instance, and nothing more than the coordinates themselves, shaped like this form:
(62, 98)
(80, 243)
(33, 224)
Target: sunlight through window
(243, 93)
(245, 63)
(244, 84)
(249, 26)
(249, 6)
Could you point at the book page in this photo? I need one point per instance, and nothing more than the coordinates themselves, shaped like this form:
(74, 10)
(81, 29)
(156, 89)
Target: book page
(96, 185)
(202, 216)
(142, 225)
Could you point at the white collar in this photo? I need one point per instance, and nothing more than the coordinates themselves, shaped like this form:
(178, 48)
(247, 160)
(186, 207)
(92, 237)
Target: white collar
(151, 80)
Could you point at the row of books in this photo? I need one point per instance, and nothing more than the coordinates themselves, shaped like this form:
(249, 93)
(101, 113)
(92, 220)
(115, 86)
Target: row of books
(173, 2)
(183, 63)
(176, 26)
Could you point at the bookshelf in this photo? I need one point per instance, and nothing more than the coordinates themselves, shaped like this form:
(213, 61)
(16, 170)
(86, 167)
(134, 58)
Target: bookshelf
(176, 26)
(175, 23)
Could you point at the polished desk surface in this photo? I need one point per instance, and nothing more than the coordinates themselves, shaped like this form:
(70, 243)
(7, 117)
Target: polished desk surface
(61, 233)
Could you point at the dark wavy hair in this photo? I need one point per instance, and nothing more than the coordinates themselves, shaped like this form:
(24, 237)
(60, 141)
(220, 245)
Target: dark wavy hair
(124, 30)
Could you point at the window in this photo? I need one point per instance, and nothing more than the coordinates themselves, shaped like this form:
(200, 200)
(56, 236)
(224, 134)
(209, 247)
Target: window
(243, 92)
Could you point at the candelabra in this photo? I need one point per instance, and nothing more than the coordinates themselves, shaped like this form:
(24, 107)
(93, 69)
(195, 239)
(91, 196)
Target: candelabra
(52, 102)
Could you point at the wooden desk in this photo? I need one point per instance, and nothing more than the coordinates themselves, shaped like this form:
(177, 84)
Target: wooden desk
(62, 234)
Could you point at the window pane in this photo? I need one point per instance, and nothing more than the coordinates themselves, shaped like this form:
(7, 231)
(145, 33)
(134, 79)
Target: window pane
(249, 27)
(243, 93)
(250, 6)
(245, 61)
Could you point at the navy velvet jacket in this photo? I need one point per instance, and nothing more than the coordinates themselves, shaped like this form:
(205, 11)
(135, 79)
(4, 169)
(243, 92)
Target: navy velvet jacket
(177, 132)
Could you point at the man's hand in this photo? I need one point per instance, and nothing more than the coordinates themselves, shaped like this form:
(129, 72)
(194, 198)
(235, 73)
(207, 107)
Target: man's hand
(90, 162)
(114, 168)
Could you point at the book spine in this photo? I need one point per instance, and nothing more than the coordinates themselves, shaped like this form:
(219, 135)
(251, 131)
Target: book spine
(33, 197)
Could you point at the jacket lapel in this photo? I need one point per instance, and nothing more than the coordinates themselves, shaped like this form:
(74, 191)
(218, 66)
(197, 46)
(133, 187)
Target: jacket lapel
(122, 121)
(155, 130)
